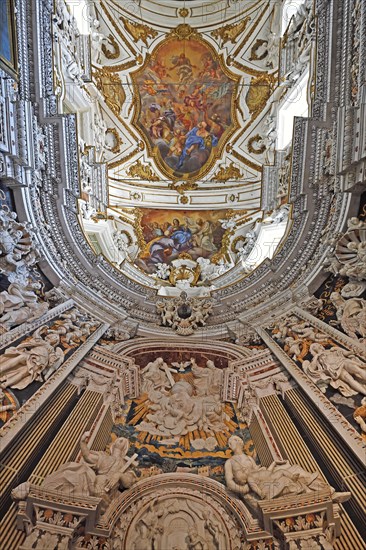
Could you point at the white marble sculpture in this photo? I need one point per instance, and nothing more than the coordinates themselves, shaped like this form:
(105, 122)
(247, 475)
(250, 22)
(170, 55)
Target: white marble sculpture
(87, 210)
(183, 314)
(34, 359)
(19, 303)
(97, 39)
(349, 256)
(336, 367)
(73, 326)
(177, 524)
(179, 408)
(351, 315)
(359, 415)
(253, 483)
(99, 475)
(17, 251)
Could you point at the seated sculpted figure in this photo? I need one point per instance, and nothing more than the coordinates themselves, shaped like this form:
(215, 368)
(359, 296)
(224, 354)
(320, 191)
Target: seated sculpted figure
(253, 482)
(100, 475)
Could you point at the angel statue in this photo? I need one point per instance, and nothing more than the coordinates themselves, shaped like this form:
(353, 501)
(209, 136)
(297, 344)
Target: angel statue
(35, 359)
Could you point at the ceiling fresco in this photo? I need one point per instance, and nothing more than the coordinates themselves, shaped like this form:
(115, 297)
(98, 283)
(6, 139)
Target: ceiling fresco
(184, 103)
(168, 234)
(185, 106)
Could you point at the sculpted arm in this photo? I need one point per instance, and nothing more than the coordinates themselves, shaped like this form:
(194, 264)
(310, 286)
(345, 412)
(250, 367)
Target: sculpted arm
(89, 456)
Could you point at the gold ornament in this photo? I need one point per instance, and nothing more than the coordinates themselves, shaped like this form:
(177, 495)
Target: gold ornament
(184, 199)
(183, 12)
(117, 140)
(230, 172)
(184, 273)
(183, 31)
(186, 186)
(115, 53)
(138, 31)
(256, 150)
(230, 32)
(254, 51)
(260, 90)
(138, 170)
(110, 86)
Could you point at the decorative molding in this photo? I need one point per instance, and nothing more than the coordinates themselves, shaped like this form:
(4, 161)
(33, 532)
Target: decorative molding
(15, 424)
(349, 435)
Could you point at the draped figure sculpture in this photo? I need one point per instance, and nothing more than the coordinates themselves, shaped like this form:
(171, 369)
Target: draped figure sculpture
(100, 475)
(338, 368)
(254, 483)
(35, 359)
(351, 315)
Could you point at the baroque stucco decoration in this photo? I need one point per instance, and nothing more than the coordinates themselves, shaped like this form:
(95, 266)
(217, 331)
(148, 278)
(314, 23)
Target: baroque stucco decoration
(169, 510)
(260, 288)
(184, 314)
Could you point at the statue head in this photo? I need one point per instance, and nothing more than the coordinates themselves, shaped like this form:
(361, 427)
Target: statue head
(316, 348)
(52, 339)
(235, 442)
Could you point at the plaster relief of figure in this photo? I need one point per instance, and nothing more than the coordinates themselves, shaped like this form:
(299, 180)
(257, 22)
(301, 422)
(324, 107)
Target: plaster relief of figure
(19, 303)
(254, 483)
(196, 541)
(157, 375)
(351, 315)
(207, 380)
(150, 528)
(100, 475)
(349, 257)
(184, 314)
(179, 407)
(26, 314)
(177, 524)
(35, 359)
(73, 327)
(338, 368)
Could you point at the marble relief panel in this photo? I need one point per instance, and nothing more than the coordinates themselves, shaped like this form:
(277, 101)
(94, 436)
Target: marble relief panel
(28, 362)
(179, 423)
(336, 371)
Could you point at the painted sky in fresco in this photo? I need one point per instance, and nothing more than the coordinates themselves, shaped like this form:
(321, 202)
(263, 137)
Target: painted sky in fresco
(169, 233)
(185, 112)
